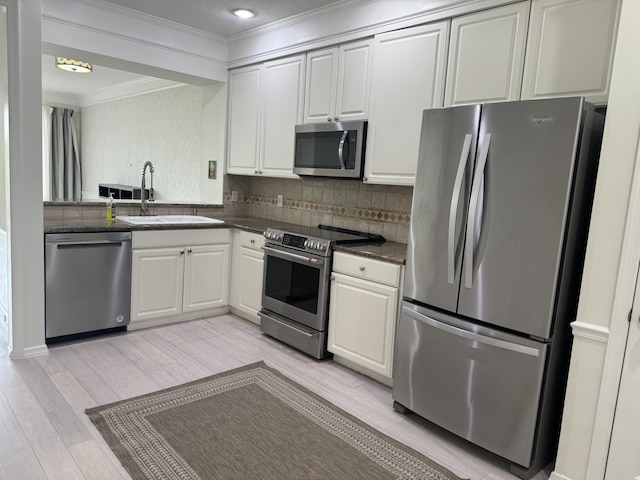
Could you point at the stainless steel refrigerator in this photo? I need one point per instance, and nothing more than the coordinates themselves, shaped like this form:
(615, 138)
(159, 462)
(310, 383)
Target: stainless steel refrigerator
(499, 221)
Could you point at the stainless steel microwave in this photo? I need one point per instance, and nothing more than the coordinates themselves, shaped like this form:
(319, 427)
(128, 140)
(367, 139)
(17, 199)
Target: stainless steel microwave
(333, 149)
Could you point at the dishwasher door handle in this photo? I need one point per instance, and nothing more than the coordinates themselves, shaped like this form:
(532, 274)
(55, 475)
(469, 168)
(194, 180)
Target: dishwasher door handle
(87, 244)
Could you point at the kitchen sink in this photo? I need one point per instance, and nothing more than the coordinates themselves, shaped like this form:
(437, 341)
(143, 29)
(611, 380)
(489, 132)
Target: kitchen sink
(165, 219)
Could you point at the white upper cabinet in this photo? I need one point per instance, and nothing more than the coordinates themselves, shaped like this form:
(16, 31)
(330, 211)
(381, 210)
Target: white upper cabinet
(570, 49)
(244, 120)
(265, 103)
(282, 110)
(338, 83)
(486, 55)
(407, 78)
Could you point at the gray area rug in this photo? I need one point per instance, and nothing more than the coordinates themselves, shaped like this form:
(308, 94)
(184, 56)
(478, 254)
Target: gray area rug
(251, 423)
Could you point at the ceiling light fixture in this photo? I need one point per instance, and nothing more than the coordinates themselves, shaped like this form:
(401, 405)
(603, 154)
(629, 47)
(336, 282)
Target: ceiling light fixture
(76, 66)
(243, 13)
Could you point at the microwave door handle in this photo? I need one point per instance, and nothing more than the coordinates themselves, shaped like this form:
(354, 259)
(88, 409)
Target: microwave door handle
(453, 209)
(473, 209)
(341, 149)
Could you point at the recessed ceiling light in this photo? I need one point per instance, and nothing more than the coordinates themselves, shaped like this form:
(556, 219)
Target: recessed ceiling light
(243, 13)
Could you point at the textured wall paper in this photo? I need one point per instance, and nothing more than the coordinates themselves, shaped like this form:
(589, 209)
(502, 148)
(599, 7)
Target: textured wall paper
(164, 127)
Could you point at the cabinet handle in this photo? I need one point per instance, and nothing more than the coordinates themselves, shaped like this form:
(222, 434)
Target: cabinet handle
(181, 252)
(189, 250)
(335, 119)
(332, 278)
(256, 172)
(253, 241)
(328, 119)
(361, 268)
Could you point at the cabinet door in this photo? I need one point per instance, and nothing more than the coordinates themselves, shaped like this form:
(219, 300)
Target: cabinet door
(156, 283)
(206, 277)
(251, 272)
(244, 120)
(283, 94)
(486, 56)
(408, 77)
(362, 320)
(321, 85)
(570, 49)
(354, 81)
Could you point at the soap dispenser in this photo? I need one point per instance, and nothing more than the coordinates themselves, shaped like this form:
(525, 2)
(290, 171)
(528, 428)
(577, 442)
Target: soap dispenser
(111, 208)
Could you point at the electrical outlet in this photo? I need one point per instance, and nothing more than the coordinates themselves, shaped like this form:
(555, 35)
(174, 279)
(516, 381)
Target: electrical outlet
(280, 200)
(234, 196)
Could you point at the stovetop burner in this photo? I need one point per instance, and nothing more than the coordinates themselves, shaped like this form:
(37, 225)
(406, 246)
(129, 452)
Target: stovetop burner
(319, 240)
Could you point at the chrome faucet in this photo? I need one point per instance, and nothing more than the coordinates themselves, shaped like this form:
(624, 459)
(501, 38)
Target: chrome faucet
(144, 209)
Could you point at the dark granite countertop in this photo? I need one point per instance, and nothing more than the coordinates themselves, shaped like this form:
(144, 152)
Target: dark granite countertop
(392, 252)
(387, 251)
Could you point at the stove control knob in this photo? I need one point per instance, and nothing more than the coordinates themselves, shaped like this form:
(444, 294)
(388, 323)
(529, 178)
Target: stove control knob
(277, 237)
(265, 234)
(307, 244)
(323, 246)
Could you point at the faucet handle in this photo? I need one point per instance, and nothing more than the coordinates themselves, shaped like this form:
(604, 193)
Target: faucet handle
(151, 199)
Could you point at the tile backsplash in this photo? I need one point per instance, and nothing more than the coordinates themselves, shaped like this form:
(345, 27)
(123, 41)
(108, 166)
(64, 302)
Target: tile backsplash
(381, 209)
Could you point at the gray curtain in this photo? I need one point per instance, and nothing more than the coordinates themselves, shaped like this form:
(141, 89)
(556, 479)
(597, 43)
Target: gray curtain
(66, 174)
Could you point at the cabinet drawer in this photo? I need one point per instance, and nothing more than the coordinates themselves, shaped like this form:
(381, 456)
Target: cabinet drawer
(254, 241)
(175, 238)
(367, 268)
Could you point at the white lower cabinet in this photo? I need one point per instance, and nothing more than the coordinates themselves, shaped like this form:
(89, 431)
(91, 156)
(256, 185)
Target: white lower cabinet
(363, 312)
(247, 274)
(178, 275)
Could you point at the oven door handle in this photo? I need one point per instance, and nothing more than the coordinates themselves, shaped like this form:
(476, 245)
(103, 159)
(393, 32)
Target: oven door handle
(293, 256)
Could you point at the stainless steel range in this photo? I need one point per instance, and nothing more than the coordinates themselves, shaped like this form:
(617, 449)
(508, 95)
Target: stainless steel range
(295, 297)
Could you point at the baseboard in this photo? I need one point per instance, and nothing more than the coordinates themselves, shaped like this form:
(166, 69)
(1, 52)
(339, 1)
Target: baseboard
(29, 352)
(185, 317)
(247, 316)
(557, 476)
(363, 370)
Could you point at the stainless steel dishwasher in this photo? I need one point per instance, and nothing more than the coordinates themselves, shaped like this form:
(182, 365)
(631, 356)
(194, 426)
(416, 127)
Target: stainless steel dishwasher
(87, 282)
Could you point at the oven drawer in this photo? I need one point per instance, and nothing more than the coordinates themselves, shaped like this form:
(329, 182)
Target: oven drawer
(367, 268)
(305, 339)
(254, 241)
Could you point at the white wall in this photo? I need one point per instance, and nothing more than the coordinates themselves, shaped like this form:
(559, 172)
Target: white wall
(177, 129)
(609, 275)
(26, 246)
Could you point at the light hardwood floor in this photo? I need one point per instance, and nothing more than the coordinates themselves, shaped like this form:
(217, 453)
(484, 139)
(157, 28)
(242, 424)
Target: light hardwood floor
(44, 433)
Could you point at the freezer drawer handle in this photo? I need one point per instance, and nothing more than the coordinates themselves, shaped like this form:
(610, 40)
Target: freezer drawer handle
(494, 342)
(478, 176)
(453, 209)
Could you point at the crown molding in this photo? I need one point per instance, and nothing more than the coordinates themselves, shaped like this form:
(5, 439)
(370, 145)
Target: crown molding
(120, 34)
(128, 89)
(110, 94)
(343, 22)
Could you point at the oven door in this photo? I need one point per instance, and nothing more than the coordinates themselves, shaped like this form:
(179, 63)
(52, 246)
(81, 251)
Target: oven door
(296, 286)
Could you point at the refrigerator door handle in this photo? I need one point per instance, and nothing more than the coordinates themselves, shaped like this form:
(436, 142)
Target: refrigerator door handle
(475, 337)
(453, 209)
(473, 209)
